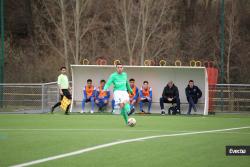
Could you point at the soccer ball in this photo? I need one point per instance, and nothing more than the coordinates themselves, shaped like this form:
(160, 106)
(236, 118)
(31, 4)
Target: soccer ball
(131, 122)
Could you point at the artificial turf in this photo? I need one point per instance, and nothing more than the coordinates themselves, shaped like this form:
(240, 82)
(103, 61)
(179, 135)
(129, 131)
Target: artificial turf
(28, 137)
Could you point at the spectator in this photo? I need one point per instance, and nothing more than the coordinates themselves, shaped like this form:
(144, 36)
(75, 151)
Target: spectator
(170, 94)
(133, 97)
(193, 93)
(88, 96)
(145, 96)
(102, 97)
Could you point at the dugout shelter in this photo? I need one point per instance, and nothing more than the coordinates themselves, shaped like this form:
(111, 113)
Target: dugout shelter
(157, 76)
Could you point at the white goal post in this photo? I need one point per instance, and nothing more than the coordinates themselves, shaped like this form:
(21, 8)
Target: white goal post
(157, 76)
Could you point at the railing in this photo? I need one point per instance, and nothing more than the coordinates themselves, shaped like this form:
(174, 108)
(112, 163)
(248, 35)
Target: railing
(231, 98)
(28, 98)
(38, 98)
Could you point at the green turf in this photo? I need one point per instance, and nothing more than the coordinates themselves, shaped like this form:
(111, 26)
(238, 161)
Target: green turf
(25, 138)
(12, 108)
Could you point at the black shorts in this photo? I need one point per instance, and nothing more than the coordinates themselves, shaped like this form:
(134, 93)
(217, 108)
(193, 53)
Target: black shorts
(66, 93)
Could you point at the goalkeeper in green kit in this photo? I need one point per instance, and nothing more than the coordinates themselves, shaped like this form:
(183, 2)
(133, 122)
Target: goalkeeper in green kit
(121, 87)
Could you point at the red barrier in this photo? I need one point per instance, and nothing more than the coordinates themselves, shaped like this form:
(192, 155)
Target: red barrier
(212, 73)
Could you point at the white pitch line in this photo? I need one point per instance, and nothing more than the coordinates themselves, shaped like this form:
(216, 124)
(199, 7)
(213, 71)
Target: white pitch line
(118, 130)
(240, 133)
(120, 142)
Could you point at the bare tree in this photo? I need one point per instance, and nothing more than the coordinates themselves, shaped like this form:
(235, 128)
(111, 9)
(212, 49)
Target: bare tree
(128, 22)
(64, 31)
(150, 21)
(231, 30)
(67, 22)
(84, 20)
(140, 21)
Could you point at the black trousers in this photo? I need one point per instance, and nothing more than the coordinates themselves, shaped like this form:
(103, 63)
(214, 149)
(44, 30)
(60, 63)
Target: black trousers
(165, 100)
(65, 93)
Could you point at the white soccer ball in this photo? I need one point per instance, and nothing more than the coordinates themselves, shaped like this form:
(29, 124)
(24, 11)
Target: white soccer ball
(131, 122)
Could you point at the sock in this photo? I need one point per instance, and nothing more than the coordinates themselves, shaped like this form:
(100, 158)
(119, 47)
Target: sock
(124, 114)
(127, 107)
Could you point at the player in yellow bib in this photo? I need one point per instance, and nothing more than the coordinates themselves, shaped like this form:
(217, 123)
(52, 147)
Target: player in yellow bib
(121, 87)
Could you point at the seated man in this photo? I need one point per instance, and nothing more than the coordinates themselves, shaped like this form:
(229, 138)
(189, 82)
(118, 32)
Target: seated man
(133, 97)
(88, 96)
(145, 96)
(170, 94)
(193, 93)
(102, 97)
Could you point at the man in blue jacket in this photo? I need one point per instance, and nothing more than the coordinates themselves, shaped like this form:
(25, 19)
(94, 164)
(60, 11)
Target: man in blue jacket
(193, 93)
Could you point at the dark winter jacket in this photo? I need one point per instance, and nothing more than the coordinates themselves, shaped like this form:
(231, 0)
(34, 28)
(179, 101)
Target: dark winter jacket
(170, 92)
(194, 92)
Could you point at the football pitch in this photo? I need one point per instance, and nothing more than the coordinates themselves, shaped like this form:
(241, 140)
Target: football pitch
(104, 140)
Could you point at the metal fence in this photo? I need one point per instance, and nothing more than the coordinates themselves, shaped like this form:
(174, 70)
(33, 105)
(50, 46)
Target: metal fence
(231, 98)
(28, 98)
(38, 98)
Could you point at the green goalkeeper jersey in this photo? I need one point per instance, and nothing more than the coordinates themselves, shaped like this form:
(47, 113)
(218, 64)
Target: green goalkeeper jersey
(120, 82)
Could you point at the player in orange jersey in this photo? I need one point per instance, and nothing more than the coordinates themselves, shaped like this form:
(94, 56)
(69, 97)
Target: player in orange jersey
(88, 96)
(145, 96)
(133, 97)
(102, 97)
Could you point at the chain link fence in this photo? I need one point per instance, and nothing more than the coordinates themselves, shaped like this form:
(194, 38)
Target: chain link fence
(230, 98)
(38, 98)
(28, 98)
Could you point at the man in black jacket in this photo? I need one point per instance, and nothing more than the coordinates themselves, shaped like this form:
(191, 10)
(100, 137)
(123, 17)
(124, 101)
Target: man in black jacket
(193, 93)
(170, 94)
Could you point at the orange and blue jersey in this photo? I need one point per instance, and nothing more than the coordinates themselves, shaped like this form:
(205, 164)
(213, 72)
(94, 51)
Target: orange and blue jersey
(89, 91)
(146, 92)
(135, 93)
(100, 93)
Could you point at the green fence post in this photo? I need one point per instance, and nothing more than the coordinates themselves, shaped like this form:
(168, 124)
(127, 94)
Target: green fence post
(222, 41)
(2, 51)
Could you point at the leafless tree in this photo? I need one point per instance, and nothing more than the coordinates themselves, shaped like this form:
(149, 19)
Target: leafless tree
(141, 21)
(67, 31)
(232, 37)
(68, 22)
